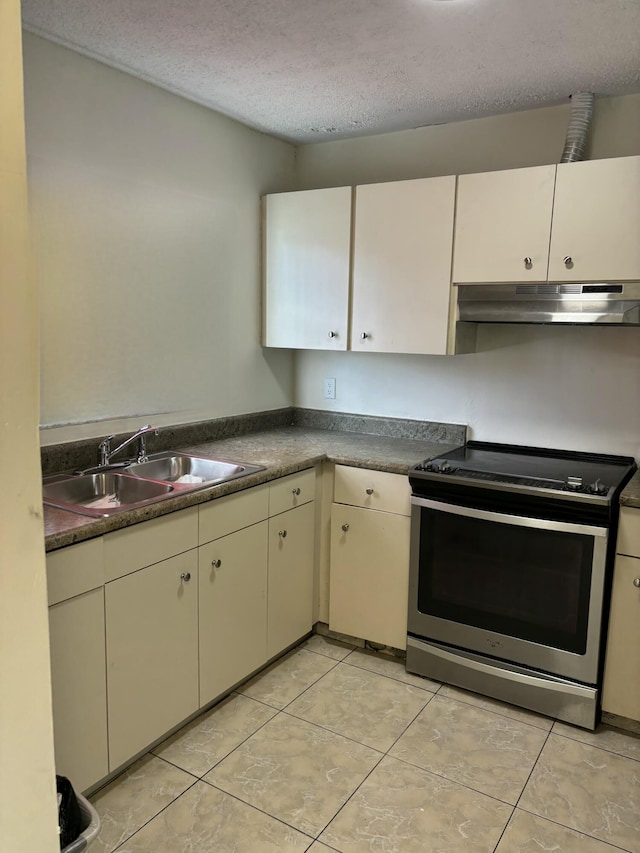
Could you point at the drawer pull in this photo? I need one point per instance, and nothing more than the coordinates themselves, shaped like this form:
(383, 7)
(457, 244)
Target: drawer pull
(282, 534)
(345, 527)
(216, 563)
(636, 582)
(185, 576)
(295, 491)
(528, 263)
(369, 491)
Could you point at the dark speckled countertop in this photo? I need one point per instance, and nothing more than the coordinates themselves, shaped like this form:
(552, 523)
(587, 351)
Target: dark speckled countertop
(282, 451)
(631, 493)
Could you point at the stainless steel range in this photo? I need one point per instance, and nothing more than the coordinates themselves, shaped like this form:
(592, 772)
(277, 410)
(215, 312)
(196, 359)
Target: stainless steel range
(511, 560)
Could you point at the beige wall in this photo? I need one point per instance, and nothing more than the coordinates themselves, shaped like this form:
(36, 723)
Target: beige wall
(512, 141)
(28, 819)
(146, 212)
(562, 387)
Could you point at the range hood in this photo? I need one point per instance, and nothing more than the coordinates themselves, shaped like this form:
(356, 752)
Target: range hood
(571, 304)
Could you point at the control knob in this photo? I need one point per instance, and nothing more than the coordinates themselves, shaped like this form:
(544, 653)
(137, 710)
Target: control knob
(574, 484)
(443, 467)
(597, 488)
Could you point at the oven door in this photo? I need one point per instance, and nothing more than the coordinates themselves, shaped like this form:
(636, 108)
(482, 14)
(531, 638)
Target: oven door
(525, 590)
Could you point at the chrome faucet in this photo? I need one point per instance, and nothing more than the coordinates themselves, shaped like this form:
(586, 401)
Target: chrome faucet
(105, 453)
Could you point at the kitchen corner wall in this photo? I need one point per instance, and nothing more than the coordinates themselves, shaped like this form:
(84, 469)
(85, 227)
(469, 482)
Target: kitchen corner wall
(146, 230)
(569, 387)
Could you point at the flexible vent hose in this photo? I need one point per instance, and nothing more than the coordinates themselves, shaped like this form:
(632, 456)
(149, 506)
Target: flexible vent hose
(578, 128)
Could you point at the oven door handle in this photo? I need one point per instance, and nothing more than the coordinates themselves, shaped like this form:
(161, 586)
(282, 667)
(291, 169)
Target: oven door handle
(515, 520)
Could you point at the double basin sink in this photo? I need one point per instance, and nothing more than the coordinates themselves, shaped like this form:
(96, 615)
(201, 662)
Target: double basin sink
(168, 474)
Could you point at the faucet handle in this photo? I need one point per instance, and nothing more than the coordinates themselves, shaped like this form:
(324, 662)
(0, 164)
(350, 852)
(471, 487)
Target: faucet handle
(103, 450)
(142, 444)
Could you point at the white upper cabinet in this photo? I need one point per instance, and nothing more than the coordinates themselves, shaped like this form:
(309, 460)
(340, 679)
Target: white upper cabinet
(307, 242)
(571, 222)
(596, 221)
(503, 225)
(402, 266)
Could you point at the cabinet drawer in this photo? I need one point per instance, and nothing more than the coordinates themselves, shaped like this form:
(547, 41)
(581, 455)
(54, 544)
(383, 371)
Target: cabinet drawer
(292, 491)
(629, 532)
(231, 513)
(132, 548)
(74, 570)
(372, 489)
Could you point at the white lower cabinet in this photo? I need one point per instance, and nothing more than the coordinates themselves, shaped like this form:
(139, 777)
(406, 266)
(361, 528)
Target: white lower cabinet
(369, 563)
(152, 653)
(79, 693)
(291, 555)
(193, 603)
(75, 578)
(621, 690)
(232, 609)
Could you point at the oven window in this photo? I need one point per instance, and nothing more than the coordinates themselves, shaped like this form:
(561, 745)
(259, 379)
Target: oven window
(519, 581)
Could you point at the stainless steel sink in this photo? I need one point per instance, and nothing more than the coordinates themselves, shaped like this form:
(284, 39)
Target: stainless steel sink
(102, 494)
(164, 475)
(186, 470)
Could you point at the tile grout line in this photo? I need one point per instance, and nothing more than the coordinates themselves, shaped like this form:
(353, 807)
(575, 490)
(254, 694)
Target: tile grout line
(573, 829)
(542, 817)
(258, 809)
(382, 753)
(146, 823)
(492, 711)
(504, 829)
(382, 757)
(535, 764)
(332, 732)
(215, 764)
(594, 745)
(392, 678)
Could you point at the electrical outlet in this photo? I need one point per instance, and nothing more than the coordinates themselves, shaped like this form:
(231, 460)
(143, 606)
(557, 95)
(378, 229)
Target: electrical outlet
(330, 388)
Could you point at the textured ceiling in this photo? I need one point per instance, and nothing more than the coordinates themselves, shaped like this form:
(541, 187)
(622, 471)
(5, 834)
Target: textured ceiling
(310, 70)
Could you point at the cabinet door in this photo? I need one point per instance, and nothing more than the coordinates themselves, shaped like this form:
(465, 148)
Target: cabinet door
(232, 609)
(503, 218)
(621, 693)
(307, 242)
(152, 653)
(596, 221)
(628, 541)
(290, 587)
(369, 578)
(402, 266)
(79, 690)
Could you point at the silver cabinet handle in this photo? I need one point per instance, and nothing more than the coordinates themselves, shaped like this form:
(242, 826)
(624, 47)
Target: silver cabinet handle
(568, 261)
(216, 564)
(185, 576)
(369, 491)
(333, 334)
(528, 263)
(636, 582)
(282, 534)
(345, 527)
(364, 336)
(295, 491)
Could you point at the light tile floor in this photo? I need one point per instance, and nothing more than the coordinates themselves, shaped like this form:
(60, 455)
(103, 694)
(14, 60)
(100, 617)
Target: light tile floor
(336, 749)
